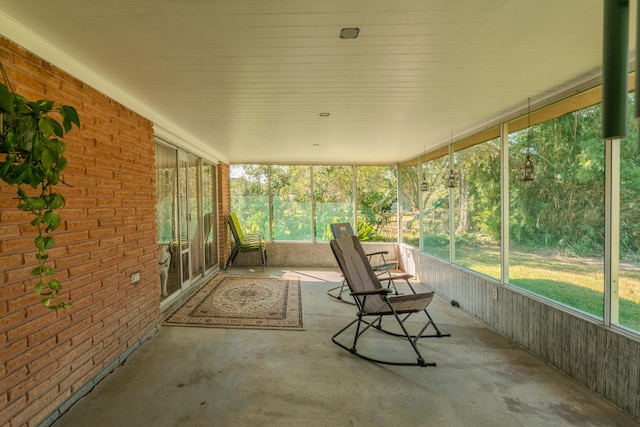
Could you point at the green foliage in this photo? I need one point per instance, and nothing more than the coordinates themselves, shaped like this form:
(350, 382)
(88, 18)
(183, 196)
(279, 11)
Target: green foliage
(31, 153)
(283, 192)
(377, 199)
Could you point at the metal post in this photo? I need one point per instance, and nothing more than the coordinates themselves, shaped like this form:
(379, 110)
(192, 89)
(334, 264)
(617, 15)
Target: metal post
(615, 71)
(504, 202)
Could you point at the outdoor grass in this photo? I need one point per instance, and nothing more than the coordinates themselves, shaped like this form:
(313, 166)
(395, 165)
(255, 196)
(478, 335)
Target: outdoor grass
(575, 282)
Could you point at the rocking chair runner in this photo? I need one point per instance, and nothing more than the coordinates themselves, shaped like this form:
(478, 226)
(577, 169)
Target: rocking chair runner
(249, 242)
(375, 301)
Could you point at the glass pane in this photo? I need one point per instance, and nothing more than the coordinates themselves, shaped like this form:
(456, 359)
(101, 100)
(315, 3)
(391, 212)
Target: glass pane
(377, 198)
(249, 186)
(410, 203)
(435, 208)
(477, 229)
(629, 277)
(291, 198)
(195, 219)
(166, 216)
(333, 198)
(210, 209)
(556, 222)
(183, 219)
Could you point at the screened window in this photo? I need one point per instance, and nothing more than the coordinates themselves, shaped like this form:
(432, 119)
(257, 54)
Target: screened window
(629, 276)
(435, 208)
(410, 189)
(333, 198)
(377, 208)
(250, 197)
(556, 223)
(291, 198)
(477, 227)
(210, 209)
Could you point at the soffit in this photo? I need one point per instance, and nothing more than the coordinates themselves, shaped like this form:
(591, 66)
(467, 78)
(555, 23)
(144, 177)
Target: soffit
(247, 79)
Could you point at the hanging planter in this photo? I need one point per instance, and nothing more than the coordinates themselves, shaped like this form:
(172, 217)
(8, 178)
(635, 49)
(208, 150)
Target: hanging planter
(31, 156)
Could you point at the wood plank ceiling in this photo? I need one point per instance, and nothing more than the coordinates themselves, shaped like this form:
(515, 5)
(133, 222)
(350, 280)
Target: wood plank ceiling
(246, 80)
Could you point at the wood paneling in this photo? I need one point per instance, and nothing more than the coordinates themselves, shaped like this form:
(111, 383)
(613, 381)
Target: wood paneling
(602, 359)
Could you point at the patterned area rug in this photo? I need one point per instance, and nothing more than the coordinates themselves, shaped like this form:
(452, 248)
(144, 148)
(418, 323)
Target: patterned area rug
(249, 302)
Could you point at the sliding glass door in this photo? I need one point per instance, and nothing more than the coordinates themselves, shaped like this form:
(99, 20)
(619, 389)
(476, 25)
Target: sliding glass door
(187, 219)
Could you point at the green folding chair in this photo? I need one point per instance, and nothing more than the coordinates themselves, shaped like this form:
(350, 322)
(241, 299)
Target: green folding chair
(245, 242)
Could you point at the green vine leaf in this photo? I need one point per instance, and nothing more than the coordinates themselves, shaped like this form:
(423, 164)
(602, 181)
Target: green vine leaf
(32, 155)
(52, 219)
(69, 117)
(54, 200)
(49, 158)
(6, 99)
(44, 243)
(54, 285)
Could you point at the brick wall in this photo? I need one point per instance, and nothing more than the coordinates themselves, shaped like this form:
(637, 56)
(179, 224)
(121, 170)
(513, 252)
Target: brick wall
(224, 200)
(108, 232)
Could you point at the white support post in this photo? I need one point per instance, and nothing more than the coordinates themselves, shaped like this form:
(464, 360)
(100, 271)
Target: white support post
(504, 202)
(612, 232)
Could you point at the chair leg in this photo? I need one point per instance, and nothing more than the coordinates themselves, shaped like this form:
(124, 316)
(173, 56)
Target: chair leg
(263, 256)
(232, 256)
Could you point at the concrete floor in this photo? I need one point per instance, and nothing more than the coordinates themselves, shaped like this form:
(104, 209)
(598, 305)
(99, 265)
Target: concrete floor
(223, 377)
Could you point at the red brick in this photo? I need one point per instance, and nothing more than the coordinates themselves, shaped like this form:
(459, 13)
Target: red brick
(108, 232)
(27, 299)
(83, 247)
(109, 270)
(12, 350)
(67, 238)
(47, 405)
(111, 241)
(128, 215)
(13, 409)
(20, 273)
(108, 202)
(98, 233)
(81, 224)
(15, 245)
(83, 268)
(85, 307)
(80, 372)
(72, 260)
(10, 261)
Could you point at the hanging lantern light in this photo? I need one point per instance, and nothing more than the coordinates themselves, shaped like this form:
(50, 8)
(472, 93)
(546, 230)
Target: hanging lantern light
(528, 169)
(424, 186)
(452, 179)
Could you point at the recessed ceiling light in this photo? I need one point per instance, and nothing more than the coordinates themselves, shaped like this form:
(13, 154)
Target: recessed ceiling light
(324, 114)
(349, 33)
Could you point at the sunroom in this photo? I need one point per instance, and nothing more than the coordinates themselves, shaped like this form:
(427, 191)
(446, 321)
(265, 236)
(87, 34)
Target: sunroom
(465, 139)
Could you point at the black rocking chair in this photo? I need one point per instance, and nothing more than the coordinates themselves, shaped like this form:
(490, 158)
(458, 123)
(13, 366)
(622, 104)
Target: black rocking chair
(377, 302)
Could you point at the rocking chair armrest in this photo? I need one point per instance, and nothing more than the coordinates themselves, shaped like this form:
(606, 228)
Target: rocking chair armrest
(381, 291)
(377, 253)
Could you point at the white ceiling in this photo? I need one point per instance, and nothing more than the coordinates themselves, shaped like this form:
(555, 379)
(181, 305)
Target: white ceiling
(245, 80)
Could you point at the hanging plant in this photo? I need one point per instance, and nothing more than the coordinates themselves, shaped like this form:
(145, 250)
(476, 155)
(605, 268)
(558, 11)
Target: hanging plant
(31, 155)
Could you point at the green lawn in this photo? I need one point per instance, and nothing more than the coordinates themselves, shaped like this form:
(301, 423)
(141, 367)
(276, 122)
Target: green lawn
(576, 282)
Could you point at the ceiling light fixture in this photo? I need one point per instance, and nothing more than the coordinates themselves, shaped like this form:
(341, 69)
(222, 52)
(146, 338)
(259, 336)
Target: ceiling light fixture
(324, 114)
(349, 33)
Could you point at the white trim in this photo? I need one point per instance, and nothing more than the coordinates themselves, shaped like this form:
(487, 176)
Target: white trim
(504, 203)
